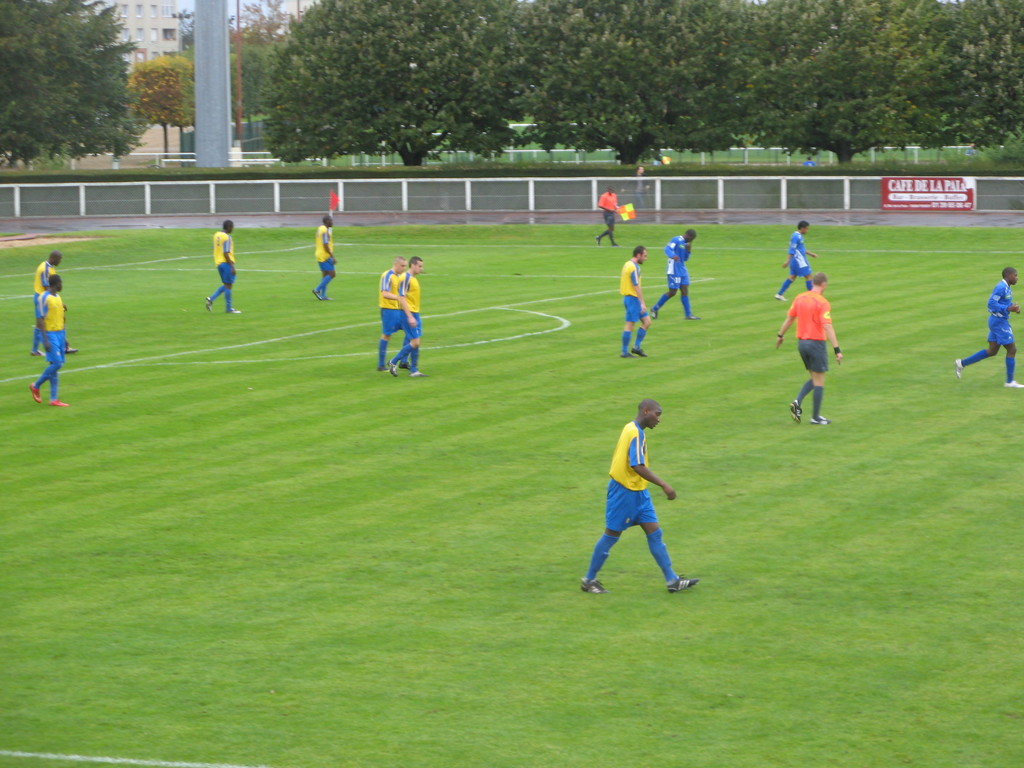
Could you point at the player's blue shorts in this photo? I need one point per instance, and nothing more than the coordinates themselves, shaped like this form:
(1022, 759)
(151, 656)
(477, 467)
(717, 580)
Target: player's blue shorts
(410, 332)
(999, 330)
(678, 280)
(55, 354)
(391, 320)
(224, 270)
(633, 313)
(326, 266)
(624, 507)
(796, 269)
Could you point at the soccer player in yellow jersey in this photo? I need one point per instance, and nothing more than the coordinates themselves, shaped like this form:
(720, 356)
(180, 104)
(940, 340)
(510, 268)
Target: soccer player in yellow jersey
(325, 257)
(393, 307)
(224, 259)
(629, 503)
(50, 322)
(409, 287)
(633, 300)
(40, 285)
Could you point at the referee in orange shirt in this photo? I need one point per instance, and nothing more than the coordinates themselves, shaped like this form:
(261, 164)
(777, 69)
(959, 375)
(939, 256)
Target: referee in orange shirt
(813, 316)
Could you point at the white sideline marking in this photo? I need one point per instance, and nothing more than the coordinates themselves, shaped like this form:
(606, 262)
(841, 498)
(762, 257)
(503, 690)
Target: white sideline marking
(140, 360)
(119, 760)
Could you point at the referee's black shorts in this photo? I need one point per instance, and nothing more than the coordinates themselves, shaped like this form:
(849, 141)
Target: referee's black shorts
(814, 353)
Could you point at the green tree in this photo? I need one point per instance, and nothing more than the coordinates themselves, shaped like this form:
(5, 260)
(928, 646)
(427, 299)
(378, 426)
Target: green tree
(264, 23)
(847, 75)
(408, 76)
(164, 92)
(635, 76)
(985, 57)
(64, 87)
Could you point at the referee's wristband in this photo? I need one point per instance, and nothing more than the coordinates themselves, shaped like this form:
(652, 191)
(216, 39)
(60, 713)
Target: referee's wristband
(780, 335)
(837, 350)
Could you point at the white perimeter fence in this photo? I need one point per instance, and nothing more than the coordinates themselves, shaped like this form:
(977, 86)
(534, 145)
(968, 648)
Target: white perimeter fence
(462, 195)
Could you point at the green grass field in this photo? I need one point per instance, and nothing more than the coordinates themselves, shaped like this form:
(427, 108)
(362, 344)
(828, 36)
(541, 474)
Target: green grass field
(242, 545)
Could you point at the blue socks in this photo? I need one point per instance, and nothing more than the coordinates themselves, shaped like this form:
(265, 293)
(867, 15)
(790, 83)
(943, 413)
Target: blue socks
(227, 298)
(50, 375)
(414, 360)
(981, 354)
(402, 354)
(808, 284)
(1011, 364)
(640, 334)
(785, 284)
(601, 552)
(217, 293)
(661, 301)
(322, 288)
(625, 342)
(382, 350)
(660, 553)
(686, 305)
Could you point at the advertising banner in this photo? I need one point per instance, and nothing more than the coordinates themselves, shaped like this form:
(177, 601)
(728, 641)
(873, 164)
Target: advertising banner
(928, 193)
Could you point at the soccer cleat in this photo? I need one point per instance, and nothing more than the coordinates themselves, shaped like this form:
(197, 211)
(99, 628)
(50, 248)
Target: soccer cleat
(233, 311)
(35, 394)
(597, 239)
(654, 313)
(692, 317)
(382, 368)
(626, 355)
(780, 297)
(1013, 385)
(638, 352)
(317, 294)
(58, 403)
(36, 353)
(680, 584)
(796, 410)
(593, 586)
(209, 304)
(69, 350)
(418, 374)
(404, 365)
(958, 367)
(326, 298)
(820, 420)
(392, 369)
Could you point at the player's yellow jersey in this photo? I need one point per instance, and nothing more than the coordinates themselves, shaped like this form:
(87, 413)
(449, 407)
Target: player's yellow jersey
(223, 248)
(629, 280)
(390, 282)
(43, 272)
(51, 309)
(324, 243)
(630, 451)
(411, 291)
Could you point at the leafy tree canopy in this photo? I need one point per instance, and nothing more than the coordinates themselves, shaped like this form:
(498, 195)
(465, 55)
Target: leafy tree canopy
(407, 76)
(64, 87)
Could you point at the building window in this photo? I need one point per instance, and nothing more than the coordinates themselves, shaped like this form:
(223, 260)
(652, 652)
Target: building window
(167, 12)
(138, 12)
(140, 35)
(124, 11)
(126, 35)
(153, 35)
(170, 34)
(152, 11)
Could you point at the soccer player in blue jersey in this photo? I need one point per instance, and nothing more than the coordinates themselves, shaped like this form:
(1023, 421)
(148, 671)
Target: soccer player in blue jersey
(797, 260)
(678, 252)
(409, 287)
(1000, 305)
(628, 502)
(633, 300)
(50, 322)
(325, 257)
(224, 259)
(393, 306)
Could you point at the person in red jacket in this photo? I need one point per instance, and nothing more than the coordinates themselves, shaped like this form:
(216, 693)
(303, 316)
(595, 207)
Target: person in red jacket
(608, 203)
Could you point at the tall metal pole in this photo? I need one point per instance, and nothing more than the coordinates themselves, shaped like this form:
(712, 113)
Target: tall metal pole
(213, 91)
(238, 71)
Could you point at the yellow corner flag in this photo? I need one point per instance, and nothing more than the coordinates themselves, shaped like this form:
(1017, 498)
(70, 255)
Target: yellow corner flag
(626, 211)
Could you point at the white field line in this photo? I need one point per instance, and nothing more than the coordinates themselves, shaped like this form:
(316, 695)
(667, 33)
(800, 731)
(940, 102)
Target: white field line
(118, 760)
(140, 360)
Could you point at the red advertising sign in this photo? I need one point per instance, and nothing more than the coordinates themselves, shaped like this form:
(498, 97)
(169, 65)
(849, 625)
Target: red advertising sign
(928, 193)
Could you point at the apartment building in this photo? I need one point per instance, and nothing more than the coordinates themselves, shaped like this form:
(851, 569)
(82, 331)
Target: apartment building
(153, 27)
